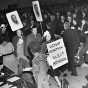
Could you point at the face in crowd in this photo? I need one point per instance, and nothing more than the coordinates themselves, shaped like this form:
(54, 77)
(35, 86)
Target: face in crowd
(52, 17)
(66, 26)
(57, 15)
(69, 19)
(74, 16)
(45, 16)
(19, 33)
(62, 19)
(68, 13)
(34, 30)
(3, 28)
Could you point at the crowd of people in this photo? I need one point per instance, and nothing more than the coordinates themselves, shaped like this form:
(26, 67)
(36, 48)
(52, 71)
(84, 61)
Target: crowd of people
(26, 48)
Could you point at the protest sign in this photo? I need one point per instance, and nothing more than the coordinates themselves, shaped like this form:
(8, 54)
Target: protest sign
(37, 11)
(57, 53)
(14, 20)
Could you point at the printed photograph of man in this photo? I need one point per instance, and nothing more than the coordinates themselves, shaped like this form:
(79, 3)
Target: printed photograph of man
(14, 19)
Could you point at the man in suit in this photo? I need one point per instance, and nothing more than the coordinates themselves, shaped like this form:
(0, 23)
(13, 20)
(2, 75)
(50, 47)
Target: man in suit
(72, 41)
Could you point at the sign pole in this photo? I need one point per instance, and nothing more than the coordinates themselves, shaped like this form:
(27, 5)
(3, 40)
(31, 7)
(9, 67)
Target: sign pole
(41, 27)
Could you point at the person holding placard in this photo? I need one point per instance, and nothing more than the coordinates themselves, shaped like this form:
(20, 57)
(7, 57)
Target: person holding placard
(14, 19)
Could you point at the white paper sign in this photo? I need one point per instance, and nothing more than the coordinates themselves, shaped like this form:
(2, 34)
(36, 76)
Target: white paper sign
(57, 53)
(37, 11)
(13, 79)
(14, 20)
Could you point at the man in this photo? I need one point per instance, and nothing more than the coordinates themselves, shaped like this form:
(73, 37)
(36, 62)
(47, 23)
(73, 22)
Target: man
(33, 36)
(72, 41)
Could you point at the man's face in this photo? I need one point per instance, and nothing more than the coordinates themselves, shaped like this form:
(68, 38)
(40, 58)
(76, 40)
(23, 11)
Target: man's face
(52, 17)
(3, 28)
(14, 19)
(62, 19)
(69, 19)
(19, 33)
(66, 25)
(74, 15)
(34, 31)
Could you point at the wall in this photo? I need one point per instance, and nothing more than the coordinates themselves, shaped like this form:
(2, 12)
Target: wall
(24, 3)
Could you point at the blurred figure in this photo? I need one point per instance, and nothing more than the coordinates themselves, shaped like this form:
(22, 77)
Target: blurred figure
(62, 19)
(33, 36)
(40, 68)
(72, 41)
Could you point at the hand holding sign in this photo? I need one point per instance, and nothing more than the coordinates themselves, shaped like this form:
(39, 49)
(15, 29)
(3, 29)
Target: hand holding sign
(37, 11)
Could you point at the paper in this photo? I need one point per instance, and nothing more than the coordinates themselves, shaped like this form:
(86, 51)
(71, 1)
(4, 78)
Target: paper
(27, 69)
(37, 11)
(13, 79)
(14, 20)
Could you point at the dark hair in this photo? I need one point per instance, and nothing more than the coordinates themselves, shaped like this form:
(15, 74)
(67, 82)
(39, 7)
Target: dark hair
(35, 47)
(15, 21)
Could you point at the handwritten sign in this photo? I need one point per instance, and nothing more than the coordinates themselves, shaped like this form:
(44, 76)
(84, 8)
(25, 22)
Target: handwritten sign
(57, 53)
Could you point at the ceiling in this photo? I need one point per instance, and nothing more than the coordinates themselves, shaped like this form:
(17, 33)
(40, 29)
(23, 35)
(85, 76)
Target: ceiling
(25, 3)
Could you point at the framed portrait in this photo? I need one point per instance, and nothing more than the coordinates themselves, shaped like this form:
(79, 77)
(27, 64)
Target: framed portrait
(37, 11)
(14, 20)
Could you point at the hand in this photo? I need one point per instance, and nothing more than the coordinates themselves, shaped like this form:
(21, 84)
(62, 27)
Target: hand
(83, 22)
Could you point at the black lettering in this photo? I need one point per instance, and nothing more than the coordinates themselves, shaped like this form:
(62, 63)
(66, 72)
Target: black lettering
(59, 61)
(53, 45)
(53, 50)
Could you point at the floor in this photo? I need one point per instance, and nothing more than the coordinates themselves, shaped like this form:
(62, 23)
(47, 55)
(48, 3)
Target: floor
(77, 81)
(80, 80)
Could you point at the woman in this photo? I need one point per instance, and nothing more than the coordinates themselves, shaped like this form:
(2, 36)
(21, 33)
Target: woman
(40, 68)
(22, 59)
(7, 50)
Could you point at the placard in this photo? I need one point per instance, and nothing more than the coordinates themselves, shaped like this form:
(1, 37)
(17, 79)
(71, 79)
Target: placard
(57, 53)
(14, 20)
(37, 11)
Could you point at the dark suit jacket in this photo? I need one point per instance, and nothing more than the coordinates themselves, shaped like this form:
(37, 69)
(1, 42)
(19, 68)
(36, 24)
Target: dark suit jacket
(72, 42)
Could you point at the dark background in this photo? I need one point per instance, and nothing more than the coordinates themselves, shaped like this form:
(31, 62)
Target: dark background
(25, 3)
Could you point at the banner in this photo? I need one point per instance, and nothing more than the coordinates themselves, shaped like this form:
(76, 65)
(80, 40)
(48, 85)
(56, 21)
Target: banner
(57, 53)
(37, 11)
(14, 20)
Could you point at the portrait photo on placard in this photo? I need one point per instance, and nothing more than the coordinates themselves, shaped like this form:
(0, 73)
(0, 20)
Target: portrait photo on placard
(37, 10)
(14, 20)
